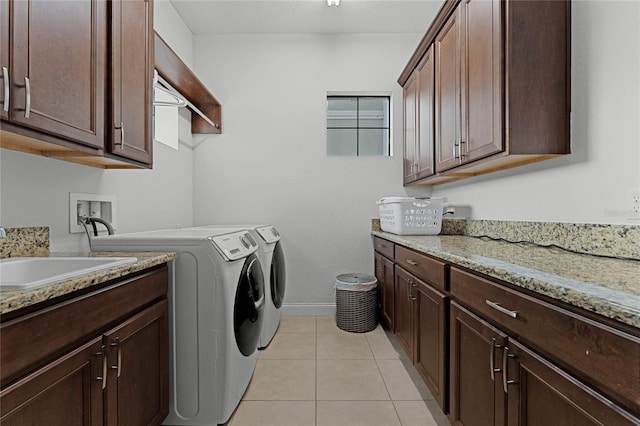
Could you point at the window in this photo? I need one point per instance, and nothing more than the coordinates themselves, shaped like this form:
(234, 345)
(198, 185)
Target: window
(358, 125)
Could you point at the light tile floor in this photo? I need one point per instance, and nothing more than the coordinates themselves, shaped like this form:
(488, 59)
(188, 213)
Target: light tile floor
(315, 374)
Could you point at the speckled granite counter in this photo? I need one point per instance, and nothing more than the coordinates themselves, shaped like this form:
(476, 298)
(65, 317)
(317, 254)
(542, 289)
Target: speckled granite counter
(609, 287)
(11, 300)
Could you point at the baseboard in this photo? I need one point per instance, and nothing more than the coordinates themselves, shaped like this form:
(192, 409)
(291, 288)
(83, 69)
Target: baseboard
(309, 309)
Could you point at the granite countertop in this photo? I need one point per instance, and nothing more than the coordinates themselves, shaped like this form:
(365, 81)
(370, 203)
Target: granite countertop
(14, 299)
(609, 287)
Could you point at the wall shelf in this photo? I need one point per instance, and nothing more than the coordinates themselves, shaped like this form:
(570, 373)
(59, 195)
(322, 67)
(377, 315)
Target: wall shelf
(175, 72)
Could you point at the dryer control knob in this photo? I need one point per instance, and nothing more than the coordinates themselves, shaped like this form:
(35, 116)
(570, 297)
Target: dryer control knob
(244, 242)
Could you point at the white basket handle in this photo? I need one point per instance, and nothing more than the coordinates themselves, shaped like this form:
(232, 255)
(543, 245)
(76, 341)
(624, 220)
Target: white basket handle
(421, 203)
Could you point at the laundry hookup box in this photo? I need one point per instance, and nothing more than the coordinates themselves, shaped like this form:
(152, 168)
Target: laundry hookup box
(411, 216)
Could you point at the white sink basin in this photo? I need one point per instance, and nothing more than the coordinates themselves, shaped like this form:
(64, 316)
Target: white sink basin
(29, 272)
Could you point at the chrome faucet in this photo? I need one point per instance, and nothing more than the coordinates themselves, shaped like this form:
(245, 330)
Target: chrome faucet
(3, 234)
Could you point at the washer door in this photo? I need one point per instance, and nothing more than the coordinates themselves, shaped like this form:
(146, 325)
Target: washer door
(248, 311)
(278, 276)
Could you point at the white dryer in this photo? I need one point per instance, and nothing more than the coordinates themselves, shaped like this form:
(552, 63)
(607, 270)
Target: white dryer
(216, 300)
(273, 265)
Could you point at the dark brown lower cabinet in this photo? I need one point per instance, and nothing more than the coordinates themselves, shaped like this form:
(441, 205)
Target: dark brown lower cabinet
(405, 283)
(421, 329)
(540, 393)
(137, 391)
(430, 344)
(385, 277)
(67, 391)
(492, 354)
(498, 381)
(476, 396)
(97, 358)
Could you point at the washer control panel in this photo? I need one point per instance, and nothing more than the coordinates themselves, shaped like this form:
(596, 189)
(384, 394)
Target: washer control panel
(235, 245)
(269, 234)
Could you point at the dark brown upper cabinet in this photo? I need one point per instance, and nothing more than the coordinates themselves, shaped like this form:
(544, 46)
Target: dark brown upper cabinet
(419, 132)
(410, 109)
(131, 66)
(74, 72)
(502, 85)
(57, 75)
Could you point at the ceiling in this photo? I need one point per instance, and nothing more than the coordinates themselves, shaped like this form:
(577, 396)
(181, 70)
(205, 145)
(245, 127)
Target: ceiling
(306, 16)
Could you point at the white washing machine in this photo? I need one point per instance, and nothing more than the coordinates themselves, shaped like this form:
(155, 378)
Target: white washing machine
(216, 299)
(273, 266)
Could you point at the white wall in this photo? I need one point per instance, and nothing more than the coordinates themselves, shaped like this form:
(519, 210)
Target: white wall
(34, 190)
(270, 164)
(591, 185)
(169, 24)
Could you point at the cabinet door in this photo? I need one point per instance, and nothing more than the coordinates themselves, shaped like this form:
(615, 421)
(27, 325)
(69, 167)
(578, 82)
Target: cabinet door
(379, 272)
(404, 310)
(388, 300)
(137, 385)
(430, 340)
(448, 45)
(481, 79)
(542, 394)
(57, 75)
(132, 79)
(67, 391)
(4, 59)
(410, 92)
(476, 395)
(385, 276)
(425, 144)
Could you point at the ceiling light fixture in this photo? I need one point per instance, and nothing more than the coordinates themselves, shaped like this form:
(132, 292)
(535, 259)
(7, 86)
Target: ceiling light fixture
(335, 3)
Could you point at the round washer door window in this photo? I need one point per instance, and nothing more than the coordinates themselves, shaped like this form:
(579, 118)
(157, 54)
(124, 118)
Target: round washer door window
(278, 276)
(248, 311)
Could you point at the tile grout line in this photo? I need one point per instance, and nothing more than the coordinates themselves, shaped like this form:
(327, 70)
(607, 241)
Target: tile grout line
(395, 409)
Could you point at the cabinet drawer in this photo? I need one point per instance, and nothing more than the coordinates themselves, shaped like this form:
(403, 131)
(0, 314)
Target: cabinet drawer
(384, 247)
(423, 266)
(31, 340)
(600, 355)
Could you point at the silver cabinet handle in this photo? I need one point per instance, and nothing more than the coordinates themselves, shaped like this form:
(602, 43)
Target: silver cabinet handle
(381, 246)
(455, 144)
(505, 358)
(412, 262)
(118, 366)
(494, 305)
(27, 101)
(409, 284)
(103, 378)
(492, 353)
(413, 285)
(121, 128)
(27, 108)
(5, 77)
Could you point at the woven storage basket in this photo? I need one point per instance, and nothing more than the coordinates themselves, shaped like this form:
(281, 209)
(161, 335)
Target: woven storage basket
(356, 309)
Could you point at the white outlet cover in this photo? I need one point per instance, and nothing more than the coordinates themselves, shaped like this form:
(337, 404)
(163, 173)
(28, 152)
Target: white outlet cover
(76, 197)
(633, 198)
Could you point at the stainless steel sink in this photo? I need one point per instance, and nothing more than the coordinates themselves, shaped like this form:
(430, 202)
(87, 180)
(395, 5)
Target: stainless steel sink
(30, 272)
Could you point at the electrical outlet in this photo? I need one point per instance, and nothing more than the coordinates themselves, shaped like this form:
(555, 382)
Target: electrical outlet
(634, 200)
